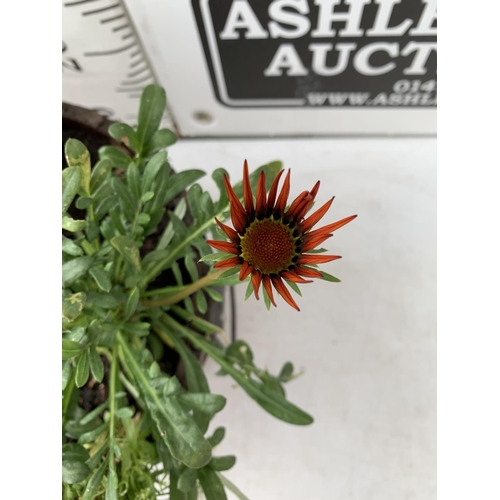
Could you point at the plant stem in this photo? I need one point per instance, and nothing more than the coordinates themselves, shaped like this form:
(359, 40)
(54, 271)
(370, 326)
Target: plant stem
(189, 290)
(112, 396)
(173, 255)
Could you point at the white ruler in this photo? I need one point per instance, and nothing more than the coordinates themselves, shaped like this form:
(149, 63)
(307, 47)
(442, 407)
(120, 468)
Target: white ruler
(105, 66)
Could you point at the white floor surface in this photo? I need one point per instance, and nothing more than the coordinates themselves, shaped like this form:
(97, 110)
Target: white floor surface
(367, 345)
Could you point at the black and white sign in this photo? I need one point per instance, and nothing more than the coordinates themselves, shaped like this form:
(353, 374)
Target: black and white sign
(320, 53)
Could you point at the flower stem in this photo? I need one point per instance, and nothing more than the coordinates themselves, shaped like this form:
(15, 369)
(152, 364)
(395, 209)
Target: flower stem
(186, 292)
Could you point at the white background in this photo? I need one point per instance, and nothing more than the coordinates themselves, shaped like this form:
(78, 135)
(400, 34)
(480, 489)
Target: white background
(367, 345)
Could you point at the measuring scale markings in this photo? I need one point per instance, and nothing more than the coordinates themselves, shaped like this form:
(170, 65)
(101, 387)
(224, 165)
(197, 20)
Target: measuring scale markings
(104, 65)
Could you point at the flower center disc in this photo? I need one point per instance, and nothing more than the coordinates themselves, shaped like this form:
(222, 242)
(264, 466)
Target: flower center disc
(268, 245)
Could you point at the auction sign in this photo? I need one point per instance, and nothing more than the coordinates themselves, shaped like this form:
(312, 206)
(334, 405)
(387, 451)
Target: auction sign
(256, 67)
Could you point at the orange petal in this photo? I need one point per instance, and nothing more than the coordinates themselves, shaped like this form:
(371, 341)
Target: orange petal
(332, 227)
(305, 207)
(266, 280)
(247, 190)
(293, 276)
(245, 270)
(271, 197)
(224, 246)
(237, 210)
(316, 216)
(260, 201)
(256, 279)
(230, 232)
(308, 273)
(313, 242)
(283, 291)
(232, 262)
(296, 203)
(285, 191)
(317, 259)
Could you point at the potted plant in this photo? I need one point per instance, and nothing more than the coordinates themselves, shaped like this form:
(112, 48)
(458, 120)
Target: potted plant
(137, 277)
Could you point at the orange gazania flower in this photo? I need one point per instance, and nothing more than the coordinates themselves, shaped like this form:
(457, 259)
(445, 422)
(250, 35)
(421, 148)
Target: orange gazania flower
(269, 241)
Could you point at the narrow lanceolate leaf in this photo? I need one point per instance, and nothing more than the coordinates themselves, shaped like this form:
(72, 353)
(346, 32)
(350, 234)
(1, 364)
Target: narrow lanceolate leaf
(211, 484)
(82, 369)
(187, 480)
(74, 269)
(118, 158)
(216, 257)
(268, 399)
(96, 365)
(152, 169)
(217, 436)
(152, 107)
(206, 403)
(94, 482)
(329, 277)
(175, 426)
(77, 155)
(127, 202)
(124, 133)
(132, 302)
(101, 277)
(181, 181)
(133, 177)
(128, 250)
(112, 484)
(71, 179)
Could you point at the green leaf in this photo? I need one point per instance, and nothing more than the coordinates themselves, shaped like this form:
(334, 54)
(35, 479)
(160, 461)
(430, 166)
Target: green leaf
(329, 277)
(74, 471)
(125, 412)
(77, 155)
(74, 452)
(72, 306)
(72, 225)
(94, 414)
(148, 195)
(231, 487)
(143, 219)
(152, 169)
(211, 484)
(152, 107)
(104, 300)
(74, 269)
(128, 250)
(227, 273)
(70, 247)
(82, 369)
(67, 371)
(240, 352)
(222, 463)
(161, 139)
(94, 482)
(105, 206)
(217, 436)
(216, 257)
(139, 329)
(187, 480)
(214, 294)
(117, 158)
(70, 349)
(181, 181)
(271, 401)
(201, 301)
(124, 133)
(91, 436)
(175, 426)
(194, 200)
(204, 402)
(294, 287)
(134, 181)
(101, 277)
(168, 234)
(191, 267)
(249, 290)
(112, 484)
(218, 177)
(96, 365)
(132, 302)
(286, 372)
(99, 174)
(71, 179)
(127, 202)
(83, 202)
(267, 300)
